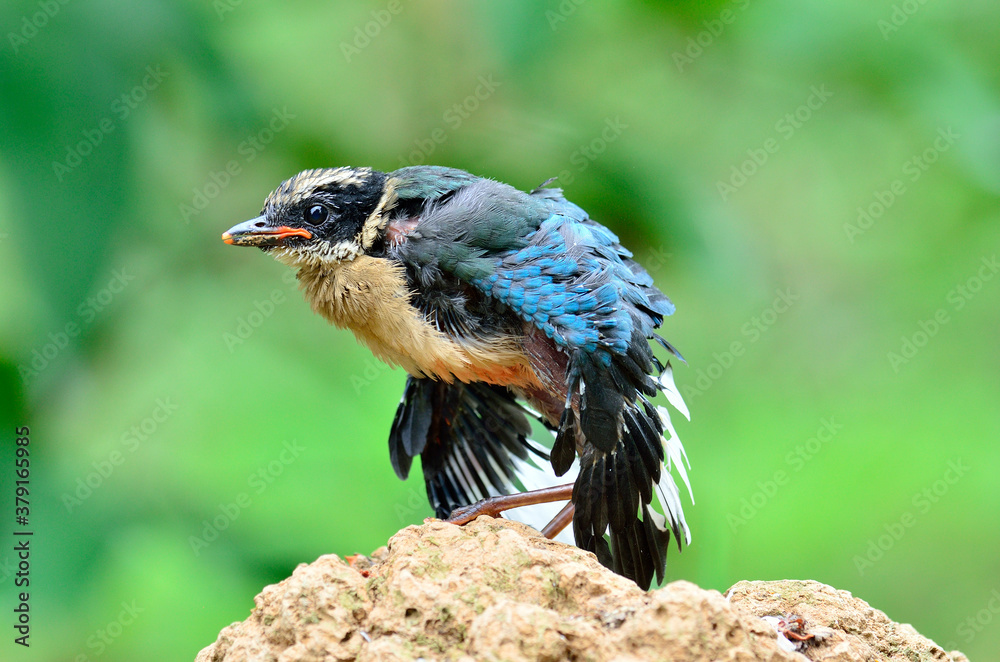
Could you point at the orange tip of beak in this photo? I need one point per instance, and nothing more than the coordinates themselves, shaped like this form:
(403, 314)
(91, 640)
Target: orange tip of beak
(228, 238)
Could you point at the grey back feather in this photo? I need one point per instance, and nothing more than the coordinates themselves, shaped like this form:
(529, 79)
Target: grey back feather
(480, 220)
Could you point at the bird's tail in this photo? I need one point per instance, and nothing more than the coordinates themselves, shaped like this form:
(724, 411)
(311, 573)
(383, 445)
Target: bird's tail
(616, 490)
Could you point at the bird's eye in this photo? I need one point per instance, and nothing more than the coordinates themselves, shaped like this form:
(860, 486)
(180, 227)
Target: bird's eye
(316, 215)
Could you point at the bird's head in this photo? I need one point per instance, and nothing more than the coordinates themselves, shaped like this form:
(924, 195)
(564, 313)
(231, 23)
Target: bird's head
(319, 217)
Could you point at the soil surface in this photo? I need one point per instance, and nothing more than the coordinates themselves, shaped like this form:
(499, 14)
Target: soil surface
(497, 590)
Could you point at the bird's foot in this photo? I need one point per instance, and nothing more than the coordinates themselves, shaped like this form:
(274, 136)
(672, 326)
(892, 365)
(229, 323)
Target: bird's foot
(494, 506)
(466, 514)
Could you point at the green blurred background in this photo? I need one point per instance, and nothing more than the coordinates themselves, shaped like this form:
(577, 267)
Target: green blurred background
(815, 185)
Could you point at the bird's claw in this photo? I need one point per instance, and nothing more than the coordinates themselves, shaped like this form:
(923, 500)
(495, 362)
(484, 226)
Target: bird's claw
(465, 514)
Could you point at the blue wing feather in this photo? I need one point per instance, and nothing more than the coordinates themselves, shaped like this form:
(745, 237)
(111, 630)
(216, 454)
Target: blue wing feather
(546, 261)
(538, 254)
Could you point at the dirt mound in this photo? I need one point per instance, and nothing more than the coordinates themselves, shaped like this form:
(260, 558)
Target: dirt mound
(497, 590)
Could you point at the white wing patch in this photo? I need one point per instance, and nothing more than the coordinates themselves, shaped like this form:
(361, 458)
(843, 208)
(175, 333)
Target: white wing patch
(675, 457)
(671, 391)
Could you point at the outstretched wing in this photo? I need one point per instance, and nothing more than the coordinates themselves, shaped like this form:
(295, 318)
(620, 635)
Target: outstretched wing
(466, 435)
(546, 261)
(473, 443)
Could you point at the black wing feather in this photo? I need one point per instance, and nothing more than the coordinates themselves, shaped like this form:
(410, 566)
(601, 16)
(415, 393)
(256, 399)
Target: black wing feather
(466, 435)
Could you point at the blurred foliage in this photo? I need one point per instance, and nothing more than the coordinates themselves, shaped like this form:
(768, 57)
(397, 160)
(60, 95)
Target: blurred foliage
(171, 381)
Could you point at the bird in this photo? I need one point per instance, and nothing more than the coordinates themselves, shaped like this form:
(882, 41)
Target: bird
(516, 317)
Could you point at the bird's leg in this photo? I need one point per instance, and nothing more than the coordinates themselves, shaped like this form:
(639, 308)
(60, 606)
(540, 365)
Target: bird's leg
(560, 521)
(495, 505)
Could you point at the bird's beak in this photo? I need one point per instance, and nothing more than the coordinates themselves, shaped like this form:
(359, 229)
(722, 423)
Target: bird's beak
(256, 232)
